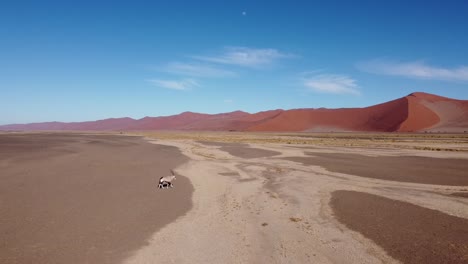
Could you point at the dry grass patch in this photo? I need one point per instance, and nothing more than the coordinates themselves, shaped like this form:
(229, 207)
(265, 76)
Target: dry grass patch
(295, 219)
(418, 141)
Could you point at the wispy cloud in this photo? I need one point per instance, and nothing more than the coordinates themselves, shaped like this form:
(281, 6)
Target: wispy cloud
(247, 57)
(415, 69)
(184, 84)
(331, 83)
(197, 70)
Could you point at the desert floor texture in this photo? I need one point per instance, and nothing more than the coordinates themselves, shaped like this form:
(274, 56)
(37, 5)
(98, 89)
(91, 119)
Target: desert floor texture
(238, 198)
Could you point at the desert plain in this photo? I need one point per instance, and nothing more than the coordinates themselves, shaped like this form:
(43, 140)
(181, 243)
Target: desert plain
(239, 197)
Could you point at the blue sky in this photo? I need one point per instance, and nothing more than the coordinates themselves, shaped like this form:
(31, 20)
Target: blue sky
(81, 60)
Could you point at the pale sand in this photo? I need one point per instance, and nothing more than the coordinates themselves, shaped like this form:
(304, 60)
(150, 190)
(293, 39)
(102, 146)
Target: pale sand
(271, 210)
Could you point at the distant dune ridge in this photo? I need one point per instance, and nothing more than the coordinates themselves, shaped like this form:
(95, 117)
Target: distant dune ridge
(416, 112)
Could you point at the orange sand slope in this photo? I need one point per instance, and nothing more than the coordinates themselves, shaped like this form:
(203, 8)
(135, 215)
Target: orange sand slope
(413, 113)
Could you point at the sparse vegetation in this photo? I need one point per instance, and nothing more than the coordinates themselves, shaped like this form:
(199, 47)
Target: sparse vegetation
(416, 141)
(295, 219)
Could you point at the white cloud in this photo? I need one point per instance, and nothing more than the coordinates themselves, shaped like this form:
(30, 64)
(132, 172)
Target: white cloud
(331, 83)
(196, 70)
(248, 57)
(184, 84)
(228, 101)
(415, 69)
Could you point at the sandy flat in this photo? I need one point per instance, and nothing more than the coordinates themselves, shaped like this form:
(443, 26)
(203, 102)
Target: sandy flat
(409, 233)
(71, 198)
(268, 209)
(395, 168)
(460, 194)
(243, 203)
(242, 150)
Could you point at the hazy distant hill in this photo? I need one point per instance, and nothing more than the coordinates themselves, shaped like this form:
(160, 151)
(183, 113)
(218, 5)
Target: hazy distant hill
(415, 112)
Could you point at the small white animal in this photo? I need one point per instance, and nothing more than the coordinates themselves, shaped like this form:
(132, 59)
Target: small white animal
(166, 181)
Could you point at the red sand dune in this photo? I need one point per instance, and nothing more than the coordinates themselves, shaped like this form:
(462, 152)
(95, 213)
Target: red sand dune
(415, 112)
(452, 114)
